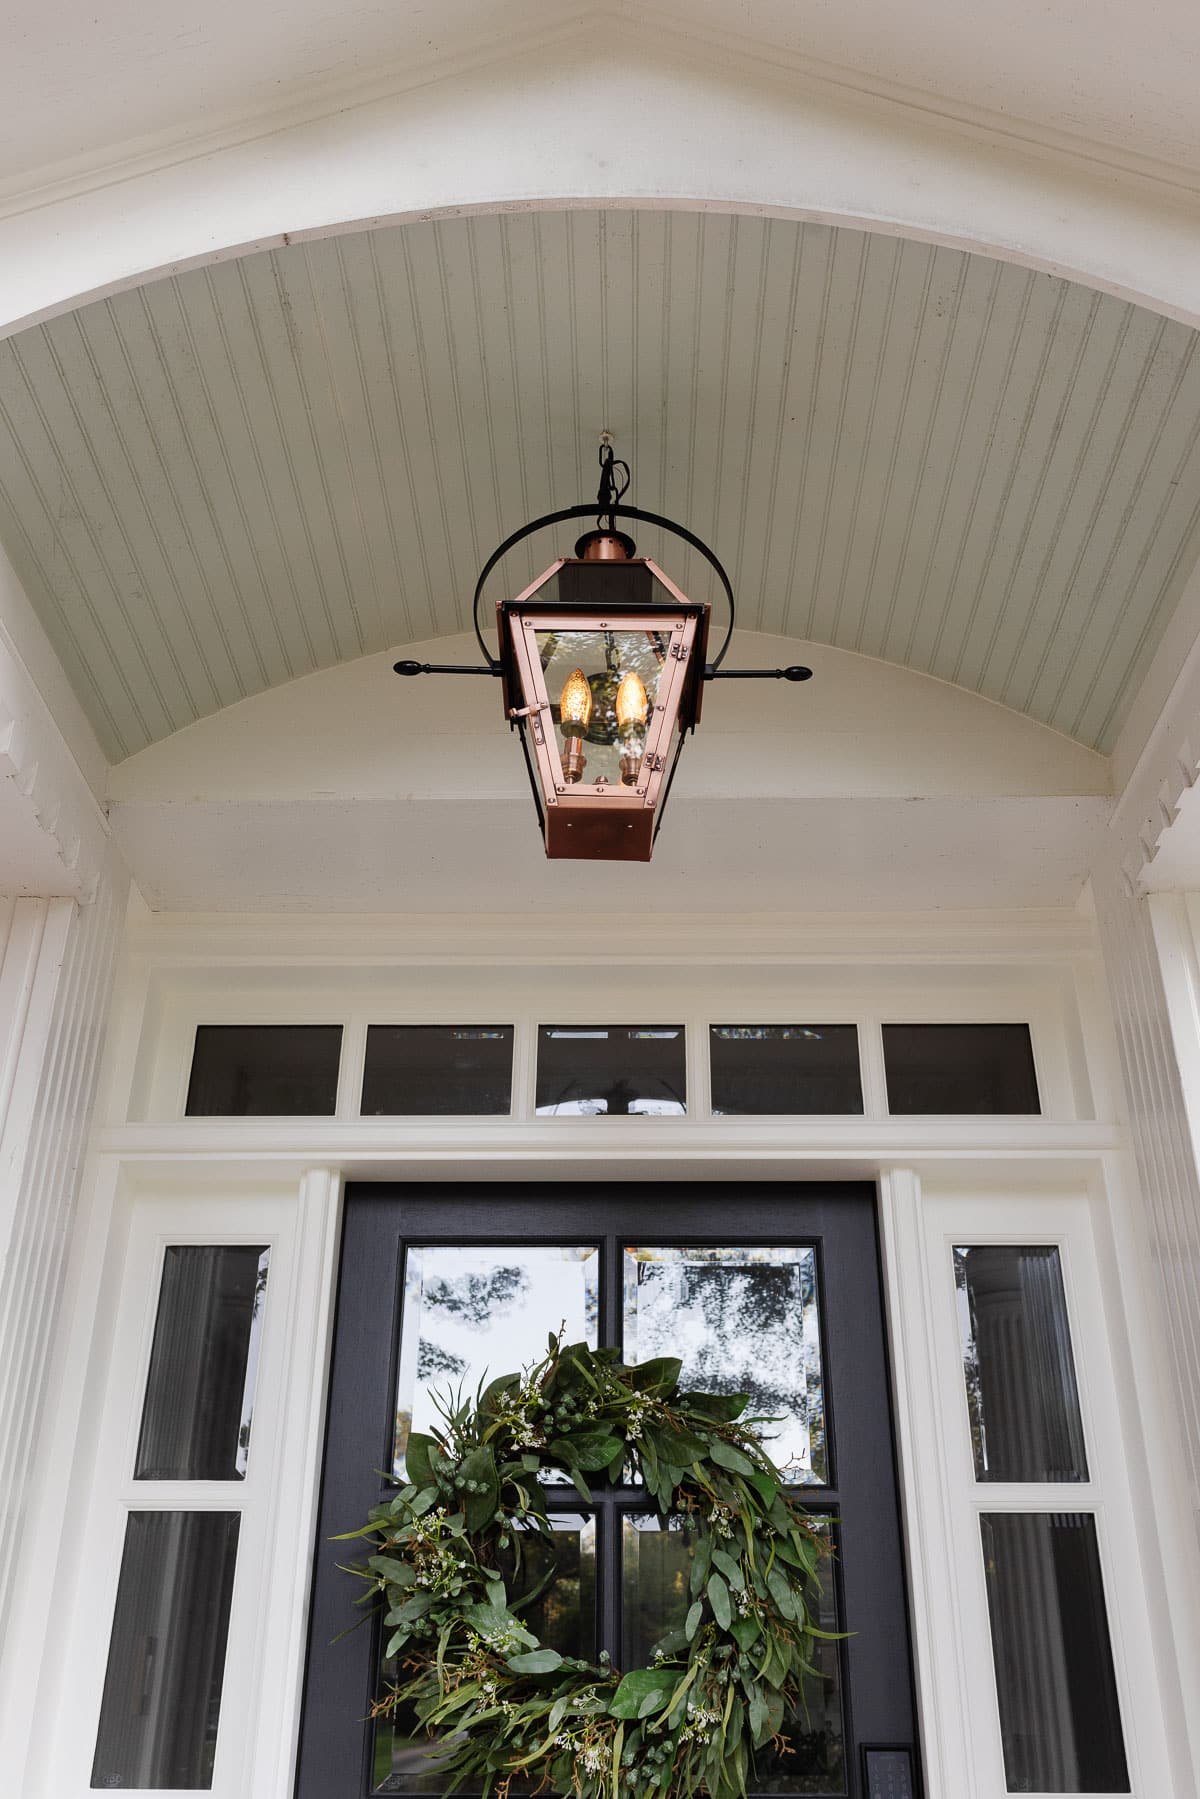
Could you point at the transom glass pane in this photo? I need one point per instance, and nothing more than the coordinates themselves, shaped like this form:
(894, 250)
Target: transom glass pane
(742, 1321)
(563, 1618)
(602, 1070)
(1060, 1721)
(264, 1070)
(960, 1069)
(475, 1311)
(204, 1363)
(602, 687)
(437, 1069)
(1017, 1362)
(784, 1068)
(166, 1655)
(655, 1565)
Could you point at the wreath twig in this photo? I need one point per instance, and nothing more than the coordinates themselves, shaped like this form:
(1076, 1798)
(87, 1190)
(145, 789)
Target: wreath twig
(447, 1561)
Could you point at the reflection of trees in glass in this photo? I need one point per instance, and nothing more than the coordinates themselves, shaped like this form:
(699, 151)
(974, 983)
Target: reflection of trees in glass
(743, 1321)
(472, 1312)
(970, 1355)
(434, 1361)
(476, 1298)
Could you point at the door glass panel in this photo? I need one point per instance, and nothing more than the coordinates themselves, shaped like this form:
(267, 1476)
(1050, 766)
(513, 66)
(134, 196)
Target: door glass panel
(611, 1070)
(166, 1656)
(437, 1070)
(475, 1312)
(204, 1363)
(655, 1598)
(784, 1068)
(564, 1618)
(742, 1321)
(1059, 1718)
(1020, 1373)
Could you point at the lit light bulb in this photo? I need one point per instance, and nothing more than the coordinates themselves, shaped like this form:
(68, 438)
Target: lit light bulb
(575, 715)
(575, 704)
(632, 703)
(632, 707)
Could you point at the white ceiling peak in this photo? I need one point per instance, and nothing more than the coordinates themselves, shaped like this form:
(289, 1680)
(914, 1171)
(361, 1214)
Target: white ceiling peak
(88, 98)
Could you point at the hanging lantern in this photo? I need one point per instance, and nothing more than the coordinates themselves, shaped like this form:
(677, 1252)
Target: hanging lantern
(602, 664)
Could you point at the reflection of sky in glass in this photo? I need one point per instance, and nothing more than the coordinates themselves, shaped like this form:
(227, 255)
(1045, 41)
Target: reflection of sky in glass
(742, 1321)
(476, 1311)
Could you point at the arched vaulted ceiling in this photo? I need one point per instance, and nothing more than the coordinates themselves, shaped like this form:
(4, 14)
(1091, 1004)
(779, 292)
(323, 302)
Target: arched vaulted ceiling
(216, 483)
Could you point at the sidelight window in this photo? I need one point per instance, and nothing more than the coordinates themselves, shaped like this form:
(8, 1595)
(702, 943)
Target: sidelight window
(1059, 1715)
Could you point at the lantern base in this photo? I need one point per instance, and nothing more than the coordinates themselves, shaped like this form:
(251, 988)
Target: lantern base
(610, 832)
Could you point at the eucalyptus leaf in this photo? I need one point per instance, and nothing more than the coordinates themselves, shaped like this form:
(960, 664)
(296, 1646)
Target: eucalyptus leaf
(729, 1568)
(636, 1688)
(726, 1456)
(718, 1598)
(536, 1661)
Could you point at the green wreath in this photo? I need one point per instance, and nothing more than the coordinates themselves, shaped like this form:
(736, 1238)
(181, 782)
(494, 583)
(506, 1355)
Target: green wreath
(448, 1556)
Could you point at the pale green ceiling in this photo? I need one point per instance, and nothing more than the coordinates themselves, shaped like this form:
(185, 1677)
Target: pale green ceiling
(219, 482)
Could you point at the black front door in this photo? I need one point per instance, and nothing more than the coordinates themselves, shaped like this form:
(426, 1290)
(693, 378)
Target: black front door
(770, 1290)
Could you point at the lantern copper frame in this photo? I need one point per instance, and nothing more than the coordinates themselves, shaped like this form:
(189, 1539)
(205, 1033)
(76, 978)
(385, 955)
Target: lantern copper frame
(604, 589)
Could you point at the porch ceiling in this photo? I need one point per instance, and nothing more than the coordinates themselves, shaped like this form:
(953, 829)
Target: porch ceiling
(222, 481)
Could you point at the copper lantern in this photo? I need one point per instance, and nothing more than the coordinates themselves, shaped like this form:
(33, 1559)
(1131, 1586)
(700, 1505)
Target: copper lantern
(602, 662)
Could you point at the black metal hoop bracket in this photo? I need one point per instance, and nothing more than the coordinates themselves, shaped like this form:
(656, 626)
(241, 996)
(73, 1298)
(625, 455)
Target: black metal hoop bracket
(614, 513)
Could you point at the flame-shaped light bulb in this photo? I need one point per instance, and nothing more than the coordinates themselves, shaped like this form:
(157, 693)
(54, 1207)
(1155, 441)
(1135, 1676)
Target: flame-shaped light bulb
(632, 702)
(575, 704)
(632, 706)
(574, 715)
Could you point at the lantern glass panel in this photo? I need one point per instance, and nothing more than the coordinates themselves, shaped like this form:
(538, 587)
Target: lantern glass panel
(602, 687)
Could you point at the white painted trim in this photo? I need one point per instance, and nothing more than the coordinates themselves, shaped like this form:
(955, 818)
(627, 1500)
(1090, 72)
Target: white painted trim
(701, 130)
(300, 1436)
(933, 1573)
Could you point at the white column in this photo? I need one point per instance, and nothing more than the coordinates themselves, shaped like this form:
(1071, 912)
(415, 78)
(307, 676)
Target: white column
(57, 959)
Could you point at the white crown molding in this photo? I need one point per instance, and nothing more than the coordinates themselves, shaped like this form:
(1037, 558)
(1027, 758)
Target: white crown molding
(654, 28)
(153, 152)
(729, 49)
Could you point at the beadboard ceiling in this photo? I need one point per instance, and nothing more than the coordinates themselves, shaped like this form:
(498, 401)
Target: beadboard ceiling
(221, 481)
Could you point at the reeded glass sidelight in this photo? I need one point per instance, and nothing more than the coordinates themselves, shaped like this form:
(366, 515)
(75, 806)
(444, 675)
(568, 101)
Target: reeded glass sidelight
(166, 1656)
(199, 1402)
